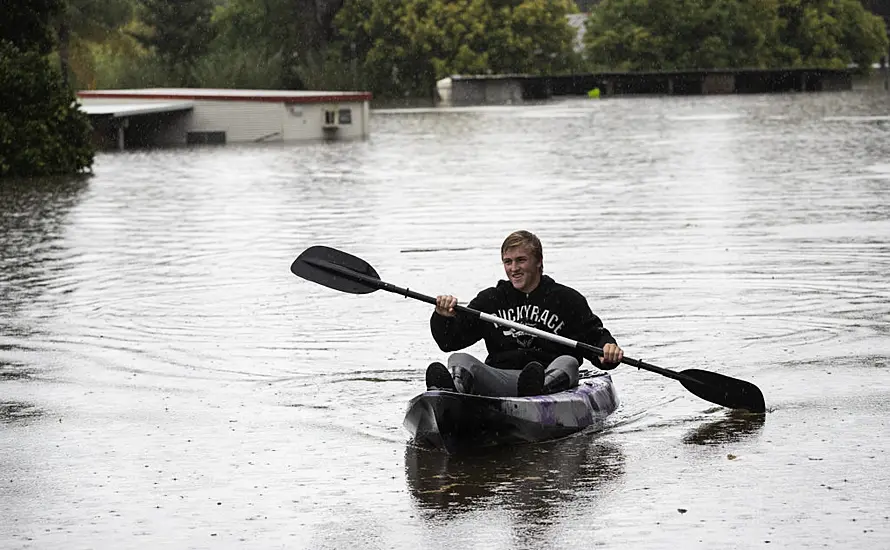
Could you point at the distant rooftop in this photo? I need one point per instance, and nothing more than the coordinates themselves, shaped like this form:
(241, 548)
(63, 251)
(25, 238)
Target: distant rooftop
(226, 94)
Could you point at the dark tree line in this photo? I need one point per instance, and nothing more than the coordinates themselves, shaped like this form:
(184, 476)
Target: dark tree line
(402, 48)
(41, 131)
(685, 34)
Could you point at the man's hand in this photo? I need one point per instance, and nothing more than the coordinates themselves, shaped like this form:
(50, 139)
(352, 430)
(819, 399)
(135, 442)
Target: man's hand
(445, 305)
(611, 354)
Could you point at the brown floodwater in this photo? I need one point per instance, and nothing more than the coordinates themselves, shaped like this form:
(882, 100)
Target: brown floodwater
(165, 381)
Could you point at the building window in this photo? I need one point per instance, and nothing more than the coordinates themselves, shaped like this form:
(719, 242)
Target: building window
(205, 138)
(345, 116)
(330, 118)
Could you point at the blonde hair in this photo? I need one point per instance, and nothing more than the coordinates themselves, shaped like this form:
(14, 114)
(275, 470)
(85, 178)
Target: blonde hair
(527, 238)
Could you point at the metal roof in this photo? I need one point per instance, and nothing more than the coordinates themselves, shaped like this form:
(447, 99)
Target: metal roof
(226, 94)
(118, 110)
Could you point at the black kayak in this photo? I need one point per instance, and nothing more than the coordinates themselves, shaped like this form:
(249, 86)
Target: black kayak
(453, 421)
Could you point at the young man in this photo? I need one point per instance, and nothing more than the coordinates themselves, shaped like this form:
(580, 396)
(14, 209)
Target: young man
(516, 361)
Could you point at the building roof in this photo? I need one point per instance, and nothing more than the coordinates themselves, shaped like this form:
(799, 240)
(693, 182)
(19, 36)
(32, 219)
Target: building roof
(117, 110)
(226, 94)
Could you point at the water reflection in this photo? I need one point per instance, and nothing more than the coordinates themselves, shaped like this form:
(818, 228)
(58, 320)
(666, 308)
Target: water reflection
(534, 480)
(33, 216)
(734, 427)
(13, 370)
(17, 412)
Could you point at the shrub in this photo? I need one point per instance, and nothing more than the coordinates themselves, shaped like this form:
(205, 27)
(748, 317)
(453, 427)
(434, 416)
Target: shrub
(42, 131)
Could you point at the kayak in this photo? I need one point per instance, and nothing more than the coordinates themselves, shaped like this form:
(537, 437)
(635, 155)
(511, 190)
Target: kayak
(455, 422)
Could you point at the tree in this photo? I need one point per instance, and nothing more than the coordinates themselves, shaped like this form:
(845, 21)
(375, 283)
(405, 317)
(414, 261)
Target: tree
(704, 34)
(292, 34)
(84, 22)
(25, 23)
(831, 33)
(179, 31)
(404, 47)
(681, 34)
(586, 6)
(42, 132)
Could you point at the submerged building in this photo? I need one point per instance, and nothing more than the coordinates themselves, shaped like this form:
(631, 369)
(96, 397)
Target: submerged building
(514, 88)
(157, 117)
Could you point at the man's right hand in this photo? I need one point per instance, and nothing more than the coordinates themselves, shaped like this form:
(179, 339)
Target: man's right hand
(445, 305)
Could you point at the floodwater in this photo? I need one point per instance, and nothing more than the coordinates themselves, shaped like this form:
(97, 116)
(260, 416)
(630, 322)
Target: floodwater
(165, 381)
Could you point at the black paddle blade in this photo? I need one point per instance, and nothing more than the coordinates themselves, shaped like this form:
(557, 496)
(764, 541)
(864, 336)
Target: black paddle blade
(334, 269)
(723, 390)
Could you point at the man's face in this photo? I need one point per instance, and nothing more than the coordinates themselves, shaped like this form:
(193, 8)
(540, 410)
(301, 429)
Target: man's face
(523, 268)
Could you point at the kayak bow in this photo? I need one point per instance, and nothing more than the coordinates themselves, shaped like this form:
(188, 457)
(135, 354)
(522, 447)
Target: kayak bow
(454, 422)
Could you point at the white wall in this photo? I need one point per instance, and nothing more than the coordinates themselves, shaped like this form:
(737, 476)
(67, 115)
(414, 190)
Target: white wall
(307, 121)
(240, 120)
(265, 121)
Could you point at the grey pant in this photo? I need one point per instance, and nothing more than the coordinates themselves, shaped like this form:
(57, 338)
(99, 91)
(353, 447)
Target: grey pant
(473, 376)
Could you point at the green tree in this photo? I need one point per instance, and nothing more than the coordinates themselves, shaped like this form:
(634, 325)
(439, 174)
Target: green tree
(257, 33)
(83, 23)
(402, 48)
(178, 32)
(680, 34)
(586, 6)
(831, 33)
(290, 36)
(703, 34)
(42, 132)
(25, 23)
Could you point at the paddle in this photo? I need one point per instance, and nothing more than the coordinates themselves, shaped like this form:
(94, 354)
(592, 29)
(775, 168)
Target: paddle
(347, 273)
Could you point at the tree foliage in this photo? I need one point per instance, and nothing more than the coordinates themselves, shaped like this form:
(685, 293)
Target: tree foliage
(687, 34)
(178, 31)
(261, 30)
(831, 33)
(26, 23)
(290, 36)
(41, 130)
(403, 47)
(83, 24)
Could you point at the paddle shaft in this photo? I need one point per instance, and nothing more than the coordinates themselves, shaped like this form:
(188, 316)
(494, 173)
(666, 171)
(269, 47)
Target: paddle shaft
(388, 287)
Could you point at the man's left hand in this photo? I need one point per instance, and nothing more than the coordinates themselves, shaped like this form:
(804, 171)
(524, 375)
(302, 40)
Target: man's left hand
(612, 354)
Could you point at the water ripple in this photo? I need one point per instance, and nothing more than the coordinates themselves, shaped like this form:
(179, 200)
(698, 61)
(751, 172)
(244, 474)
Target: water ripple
(696, 226)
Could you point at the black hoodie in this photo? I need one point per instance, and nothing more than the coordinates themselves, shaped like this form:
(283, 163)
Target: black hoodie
(551, 307)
